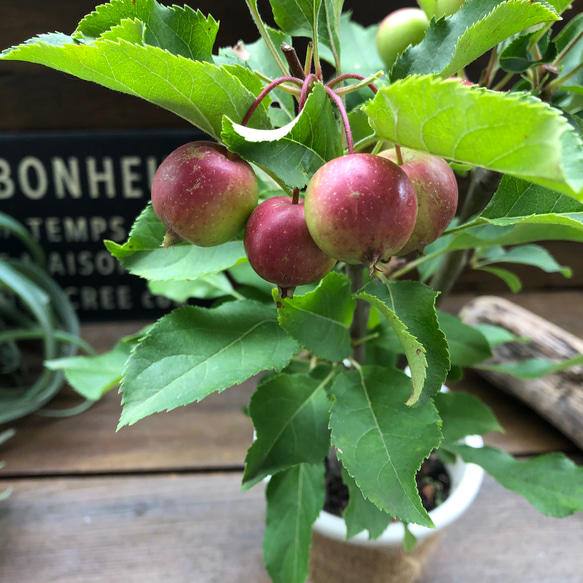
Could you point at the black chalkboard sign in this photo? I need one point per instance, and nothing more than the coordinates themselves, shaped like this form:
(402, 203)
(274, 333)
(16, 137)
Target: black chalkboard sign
(72, 190)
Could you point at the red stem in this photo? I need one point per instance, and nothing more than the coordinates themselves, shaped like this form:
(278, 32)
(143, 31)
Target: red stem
(265, 91)
(308, 81)
(344, 117)
(356, 76)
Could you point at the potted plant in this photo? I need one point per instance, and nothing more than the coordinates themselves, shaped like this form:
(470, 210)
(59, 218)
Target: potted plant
(322, 222)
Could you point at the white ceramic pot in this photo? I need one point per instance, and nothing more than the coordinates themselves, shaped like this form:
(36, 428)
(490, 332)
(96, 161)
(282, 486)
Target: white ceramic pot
(383, 560)
(465, 483)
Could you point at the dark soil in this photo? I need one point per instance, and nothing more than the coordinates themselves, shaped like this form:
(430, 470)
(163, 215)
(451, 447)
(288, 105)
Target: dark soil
(433, 483)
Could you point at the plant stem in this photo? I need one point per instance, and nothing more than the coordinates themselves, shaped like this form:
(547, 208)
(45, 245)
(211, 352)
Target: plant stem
(482, 186)
(265, 35)
(263, 93)
(344, 116)
(295, 67)
(358, 328)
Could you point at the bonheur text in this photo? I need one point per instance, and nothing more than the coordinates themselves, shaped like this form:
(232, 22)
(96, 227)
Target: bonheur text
(77, 177)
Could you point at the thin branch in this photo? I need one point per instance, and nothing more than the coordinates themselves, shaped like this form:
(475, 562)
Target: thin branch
(265, 35)
(263, 93)
(344, 116)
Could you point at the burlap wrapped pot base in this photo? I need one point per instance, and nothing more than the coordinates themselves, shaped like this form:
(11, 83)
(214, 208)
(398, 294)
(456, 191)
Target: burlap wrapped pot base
(335, 561)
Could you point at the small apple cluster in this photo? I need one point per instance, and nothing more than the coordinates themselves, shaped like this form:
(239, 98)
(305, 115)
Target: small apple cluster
(357, 209)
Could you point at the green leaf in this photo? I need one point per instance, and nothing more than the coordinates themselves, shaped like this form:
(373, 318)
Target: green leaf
(208, 287)
(534, 255)
(359, 51)
(511, 133)
(361, 514)
(509, 278)
(409, 307)
(467, 345)
(180, 31)
(450, 44)
(294, 500)
(517, 56)
(132, 31)
(533, 368)
(93, 376)
(521, 212)
(193, 352)
(197, 91)
(144, 255)
(295, 151)
(306, 17)
(464, 414)
(290, 416)
(381, 444)
(320, 320)
(552, 483)
(496, 335)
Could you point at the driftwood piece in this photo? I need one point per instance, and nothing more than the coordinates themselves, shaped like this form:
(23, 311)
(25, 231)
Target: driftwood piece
(558, 397)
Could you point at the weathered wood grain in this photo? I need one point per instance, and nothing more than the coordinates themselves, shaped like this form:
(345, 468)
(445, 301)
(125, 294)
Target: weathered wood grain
(203, 529)
(558, 396)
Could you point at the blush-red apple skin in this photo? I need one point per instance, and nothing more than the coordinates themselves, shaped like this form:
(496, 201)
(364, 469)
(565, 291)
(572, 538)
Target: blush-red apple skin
(204, 194)
(437, 195)
(279, 246)
(360, 208)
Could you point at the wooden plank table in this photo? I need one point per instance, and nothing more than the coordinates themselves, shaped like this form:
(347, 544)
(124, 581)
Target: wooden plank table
(161, 501)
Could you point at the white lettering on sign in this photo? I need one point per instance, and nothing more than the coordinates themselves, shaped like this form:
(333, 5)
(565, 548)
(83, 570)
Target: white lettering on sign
(72, 178)
(66, 177)
(7, 186)
(95, 177)
(32, 178)
(107, 297)
(129, 177)
(77, 229)
(83, 263)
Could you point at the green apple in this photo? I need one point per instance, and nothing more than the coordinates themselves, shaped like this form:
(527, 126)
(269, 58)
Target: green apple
(398, 30)
(439, 8)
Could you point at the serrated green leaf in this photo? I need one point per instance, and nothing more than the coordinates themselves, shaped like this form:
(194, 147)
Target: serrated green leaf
(130, 30)
(533, 368)
(452, 43)
(295, 151)
(361, 514)
(510, 133)
(290, 416)
(410, 309)
(380, 443)
(143, 255)
(93, 376)
(197, 91)
(181, 31)
(467, 345)
(552, 483)
(464, 414)
(320, 320)
(193, 352)
(294, 500)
